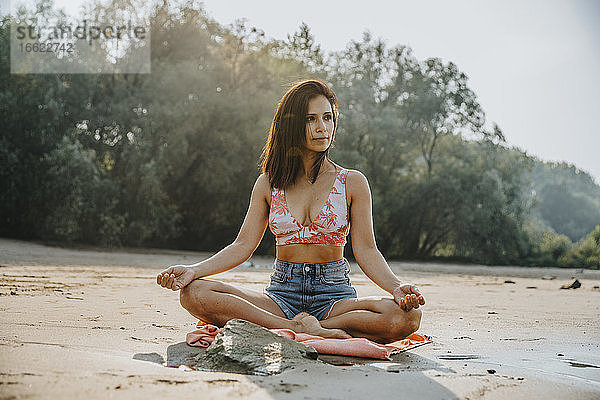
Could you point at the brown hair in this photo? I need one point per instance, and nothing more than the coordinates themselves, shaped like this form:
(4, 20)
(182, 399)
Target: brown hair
(281, 157)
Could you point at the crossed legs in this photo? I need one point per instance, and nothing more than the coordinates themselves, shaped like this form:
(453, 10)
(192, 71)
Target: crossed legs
(378, 319)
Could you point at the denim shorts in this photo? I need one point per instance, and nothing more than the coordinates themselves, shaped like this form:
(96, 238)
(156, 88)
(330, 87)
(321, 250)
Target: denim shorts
(310, 287)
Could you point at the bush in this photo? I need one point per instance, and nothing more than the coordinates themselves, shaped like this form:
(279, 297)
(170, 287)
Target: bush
(555, 245)
(585, 253)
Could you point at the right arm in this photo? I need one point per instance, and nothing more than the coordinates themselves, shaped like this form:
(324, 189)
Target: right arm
(247, 240)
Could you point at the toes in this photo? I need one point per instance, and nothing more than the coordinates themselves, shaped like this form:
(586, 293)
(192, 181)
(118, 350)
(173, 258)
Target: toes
(301, 315)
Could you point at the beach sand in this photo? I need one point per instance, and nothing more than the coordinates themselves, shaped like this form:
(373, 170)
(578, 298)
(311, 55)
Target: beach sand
(89, 323)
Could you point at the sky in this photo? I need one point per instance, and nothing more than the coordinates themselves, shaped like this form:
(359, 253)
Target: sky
(534, 64)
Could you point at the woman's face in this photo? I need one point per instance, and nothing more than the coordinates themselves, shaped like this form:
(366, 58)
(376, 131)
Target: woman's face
(319, 124)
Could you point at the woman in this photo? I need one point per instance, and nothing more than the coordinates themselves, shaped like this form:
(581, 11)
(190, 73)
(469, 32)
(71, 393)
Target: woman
(310, 205)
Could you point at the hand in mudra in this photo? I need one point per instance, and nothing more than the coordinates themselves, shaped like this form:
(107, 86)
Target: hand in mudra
(175, 277)
(408, 296)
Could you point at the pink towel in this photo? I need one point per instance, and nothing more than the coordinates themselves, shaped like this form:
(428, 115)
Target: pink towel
(203, 336)
(356, 347)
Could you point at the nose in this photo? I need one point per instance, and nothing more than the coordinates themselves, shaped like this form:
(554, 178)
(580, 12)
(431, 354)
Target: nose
(320, 125)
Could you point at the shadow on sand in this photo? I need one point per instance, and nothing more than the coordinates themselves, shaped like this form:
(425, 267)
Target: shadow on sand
(336, 377)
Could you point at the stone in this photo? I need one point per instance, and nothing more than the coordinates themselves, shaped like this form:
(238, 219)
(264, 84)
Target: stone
(246, 348)
(573, 285)
(150, 357)
(182, 354)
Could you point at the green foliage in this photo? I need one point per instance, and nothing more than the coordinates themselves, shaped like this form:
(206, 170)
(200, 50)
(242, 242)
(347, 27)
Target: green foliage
(401, 126)
(596, 235)
(79, 200)
(568, 200)
(585, 254)
(555, 246)
(169, 158)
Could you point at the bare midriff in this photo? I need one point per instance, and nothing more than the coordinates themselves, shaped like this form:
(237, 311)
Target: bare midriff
(313, 253)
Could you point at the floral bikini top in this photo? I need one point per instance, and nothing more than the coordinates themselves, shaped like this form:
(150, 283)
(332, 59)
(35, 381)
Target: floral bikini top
(330, 227)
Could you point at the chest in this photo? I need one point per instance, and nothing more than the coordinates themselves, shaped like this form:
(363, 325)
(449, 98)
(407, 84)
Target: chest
(306, 202)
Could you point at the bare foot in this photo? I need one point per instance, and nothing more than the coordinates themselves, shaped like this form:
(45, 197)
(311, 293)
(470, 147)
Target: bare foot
(309, 324)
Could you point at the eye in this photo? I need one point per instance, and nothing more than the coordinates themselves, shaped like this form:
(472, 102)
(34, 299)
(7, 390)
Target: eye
(310, 118)
(327, 117)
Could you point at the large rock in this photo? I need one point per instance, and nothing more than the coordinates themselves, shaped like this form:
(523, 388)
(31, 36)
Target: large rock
(246, 348)
(183, 354)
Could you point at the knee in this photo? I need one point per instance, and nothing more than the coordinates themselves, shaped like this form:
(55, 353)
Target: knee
(194, 295)
(186, 294)
(404, 323)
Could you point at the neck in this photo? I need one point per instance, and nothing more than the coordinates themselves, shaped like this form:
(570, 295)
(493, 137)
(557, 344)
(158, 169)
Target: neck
(308, 161)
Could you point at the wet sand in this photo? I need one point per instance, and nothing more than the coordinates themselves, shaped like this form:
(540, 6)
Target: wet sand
(92, 323)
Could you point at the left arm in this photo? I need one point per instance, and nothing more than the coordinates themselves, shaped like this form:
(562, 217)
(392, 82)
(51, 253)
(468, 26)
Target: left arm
(367, 255)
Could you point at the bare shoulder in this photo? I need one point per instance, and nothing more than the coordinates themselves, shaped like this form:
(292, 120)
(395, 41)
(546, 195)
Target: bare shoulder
(357, 187)
(356, 181)
(262, 188)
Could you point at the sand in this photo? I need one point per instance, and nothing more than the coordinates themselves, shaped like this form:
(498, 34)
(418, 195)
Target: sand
(89, 323)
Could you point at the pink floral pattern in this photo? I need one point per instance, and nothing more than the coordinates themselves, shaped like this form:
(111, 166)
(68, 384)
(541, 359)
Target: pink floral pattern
(330, 227)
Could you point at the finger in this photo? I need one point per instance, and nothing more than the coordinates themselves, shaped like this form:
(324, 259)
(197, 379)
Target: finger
(173, 282)
(165, 279)
(420, 297)
(159, 277)
(167, 272)
(407, 305)
(398, 297)
(415, 290)
(403, 303)
(409, 300)
(170, 281)
(415, 300)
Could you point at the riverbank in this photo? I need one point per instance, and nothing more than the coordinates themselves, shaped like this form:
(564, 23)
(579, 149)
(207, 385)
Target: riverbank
(93, 323)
